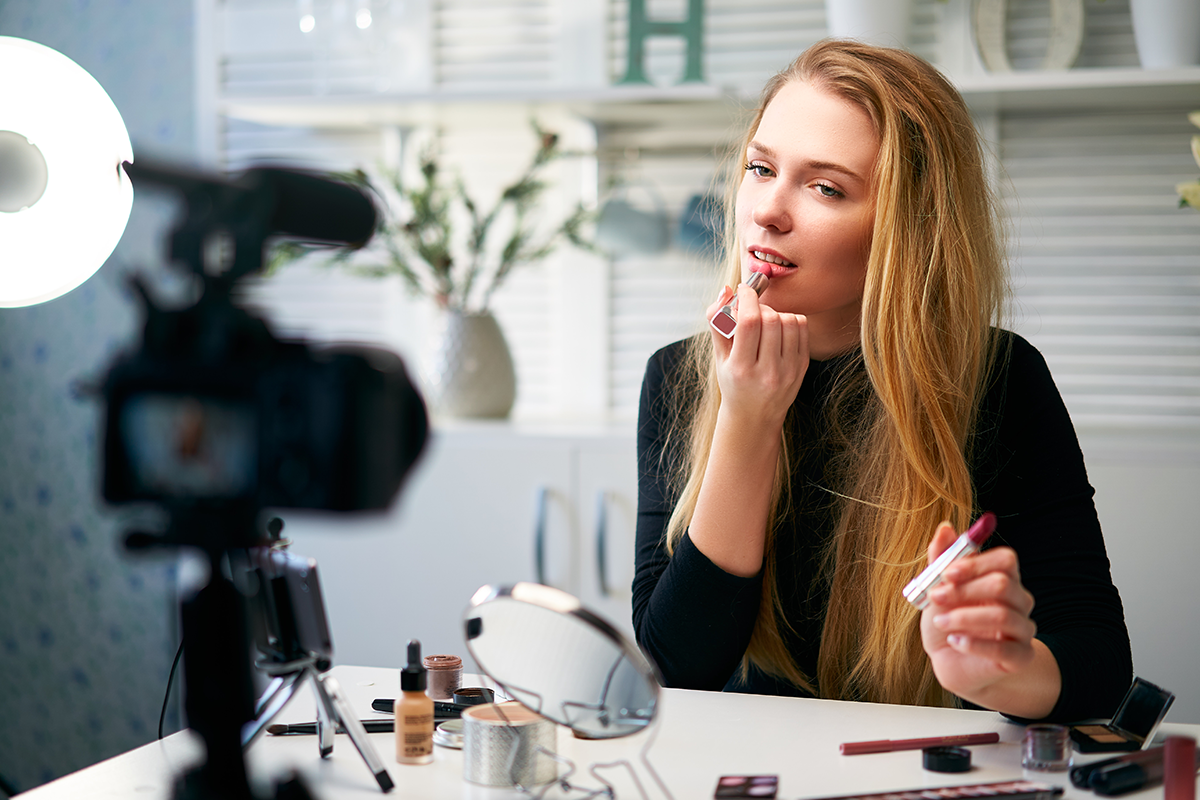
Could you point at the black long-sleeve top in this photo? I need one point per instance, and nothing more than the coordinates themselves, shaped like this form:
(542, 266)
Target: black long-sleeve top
(694, 619)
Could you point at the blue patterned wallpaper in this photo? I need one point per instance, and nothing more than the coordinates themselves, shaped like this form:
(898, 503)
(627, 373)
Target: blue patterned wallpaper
(87, 632)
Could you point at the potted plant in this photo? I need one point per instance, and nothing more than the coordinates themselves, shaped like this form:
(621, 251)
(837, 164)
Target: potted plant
(447, 247)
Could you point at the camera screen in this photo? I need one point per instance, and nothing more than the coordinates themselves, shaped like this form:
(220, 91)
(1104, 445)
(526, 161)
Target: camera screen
(187, 446)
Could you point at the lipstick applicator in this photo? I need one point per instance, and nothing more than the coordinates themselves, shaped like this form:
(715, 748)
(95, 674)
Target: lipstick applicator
(917, 591)
(725, 320)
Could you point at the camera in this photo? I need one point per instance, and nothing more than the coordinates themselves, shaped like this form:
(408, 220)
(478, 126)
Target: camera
(213, 417)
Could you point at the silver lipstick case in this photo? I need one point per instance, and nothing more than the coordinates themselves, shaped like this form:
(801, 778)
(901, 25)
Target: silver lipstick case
(724, 320)
(917, 591)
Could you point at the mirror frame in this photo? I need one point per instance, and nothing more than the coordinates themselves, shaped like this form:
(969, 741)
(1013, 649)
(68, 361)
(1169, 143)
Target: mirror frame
(552, 599)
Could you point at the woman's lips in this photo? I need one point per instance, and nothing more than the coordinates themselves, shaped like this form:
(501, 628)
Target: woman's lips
(769, 263)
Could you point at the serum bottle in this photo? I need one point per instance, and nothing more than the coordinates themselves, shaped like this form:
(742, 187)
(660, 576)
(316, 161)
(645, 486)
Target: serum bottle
(414, 712)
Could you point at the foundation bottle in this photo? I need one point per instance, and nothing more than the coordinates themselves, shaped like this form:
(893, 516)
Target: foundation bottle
(414, 712)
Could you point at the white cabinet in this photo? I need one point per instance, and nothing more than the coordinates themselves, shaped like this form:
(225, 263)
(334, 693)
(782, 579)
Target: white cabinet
(607, 496)
(482, 499)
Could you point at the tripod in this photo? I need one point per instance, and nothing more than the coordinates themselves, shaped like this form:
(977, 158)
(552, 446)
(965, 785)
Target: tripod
(219, 690)
(332, 710)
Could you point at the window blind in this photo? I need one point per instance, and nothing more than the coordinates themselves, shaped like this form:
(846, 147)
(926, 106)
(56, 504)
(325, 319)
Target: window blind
(483, 44)
(1106, 268)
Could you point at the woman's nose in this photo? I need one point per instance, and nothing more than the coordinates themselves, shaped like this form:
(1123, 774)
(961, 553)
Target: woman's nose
(771, 210)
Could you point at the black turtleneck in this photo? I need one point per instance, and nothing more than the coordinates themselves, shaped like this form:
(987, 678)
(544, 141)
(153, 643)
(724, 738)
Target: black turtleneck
(694, 619)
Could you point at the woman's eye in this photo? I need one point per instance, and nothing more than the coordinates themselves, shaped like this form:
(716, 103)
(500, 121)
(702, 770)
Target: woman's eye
(827, 190)
(759, 170)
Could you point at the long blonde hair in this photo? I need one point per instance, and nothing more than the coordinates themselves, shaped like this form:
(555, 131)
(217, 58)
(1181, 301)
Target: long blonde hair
(902, 416)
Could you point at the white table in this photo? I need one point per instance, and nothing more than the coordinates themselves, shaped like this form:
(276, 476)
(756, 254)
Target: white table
(700, 736)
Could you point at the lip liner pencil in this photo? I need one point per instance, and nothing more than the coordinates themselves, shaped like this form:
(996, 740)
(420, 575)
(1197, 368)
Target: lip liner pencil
(890, 745)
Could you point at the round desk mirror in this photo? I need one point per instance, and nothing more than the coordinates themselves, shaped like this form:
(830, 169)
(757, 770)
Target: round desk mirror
(545, 650)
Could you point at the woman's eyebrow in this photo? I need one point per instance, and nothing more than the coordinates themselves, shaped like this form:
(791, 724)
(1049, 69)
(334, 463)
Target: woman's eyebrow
(810, 163)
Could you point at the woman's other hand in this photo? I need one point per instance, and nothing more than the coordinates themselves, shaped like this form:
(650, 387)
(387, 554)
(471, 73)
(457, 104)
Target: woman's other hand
(761, 368)
(979, 635)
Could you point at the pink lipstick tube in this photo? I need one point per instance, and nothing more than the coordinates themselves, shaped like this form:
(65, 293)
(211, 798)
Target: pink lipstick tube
(917, 591)
(725, 320)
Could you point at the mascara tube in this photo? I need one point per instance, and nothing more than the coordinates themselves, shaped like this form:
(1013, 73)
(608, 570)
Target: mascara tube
(1081, 776)
(725, 320)
(1131, 776)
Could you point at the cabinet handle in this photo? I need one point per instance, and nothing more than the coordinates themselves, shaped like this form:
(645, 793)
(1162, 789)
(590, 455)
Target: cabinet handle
(539, 534)
(602, 542)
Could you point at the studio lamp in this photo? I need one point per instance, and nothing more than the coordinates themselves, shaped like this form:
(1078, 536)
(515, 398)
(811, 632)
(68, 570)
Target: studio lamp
(64, 197)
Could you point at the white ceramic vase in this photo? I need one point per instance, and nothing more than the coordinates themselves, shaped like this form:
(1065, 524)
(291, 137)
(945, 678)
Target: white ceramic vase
(1167, 32)
(468, 369)
(884, 22)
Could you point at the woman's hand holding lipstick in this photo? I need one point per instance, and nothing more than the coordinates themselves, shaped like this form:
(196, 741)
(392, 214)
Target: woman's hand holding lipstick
(980, 638)
(760, 369)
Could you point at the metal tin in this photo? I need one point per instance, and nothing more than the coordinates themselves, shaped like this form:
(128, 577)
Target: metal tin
(449, 734)
(474, 695)
(501, 744)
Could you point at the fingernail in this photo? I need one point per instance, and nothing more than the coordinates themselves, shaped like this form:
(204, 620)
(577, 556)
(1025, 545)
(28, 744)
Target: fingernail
(957, 641)
(939, 594)
(941, 620)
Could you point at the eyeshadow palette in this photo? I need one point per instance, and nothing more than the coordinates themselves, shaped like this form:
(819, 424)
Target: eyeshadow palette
(1131, 727)
(747, 786)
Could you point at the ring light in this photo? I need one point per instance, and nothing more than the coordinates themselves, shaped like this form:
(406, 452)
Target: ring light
(64, 198)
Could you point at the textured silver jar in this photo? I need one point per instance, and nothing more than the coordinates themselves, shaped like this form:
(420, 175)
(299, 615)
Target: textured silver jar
(492, 732)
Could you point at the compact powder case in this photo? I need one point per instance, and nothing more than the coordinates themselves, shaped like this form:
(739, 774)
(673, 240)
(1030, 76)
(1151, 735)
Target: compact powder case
(1131, 727)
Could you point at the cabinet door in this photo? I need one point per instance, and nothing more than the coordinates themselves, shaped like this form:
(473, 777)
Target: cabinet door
(608, 507)
(465, 520)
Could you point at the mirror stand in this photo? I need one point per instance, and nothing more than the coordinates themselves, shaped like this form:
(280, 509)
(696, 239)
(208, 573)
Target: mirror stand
(644, 757)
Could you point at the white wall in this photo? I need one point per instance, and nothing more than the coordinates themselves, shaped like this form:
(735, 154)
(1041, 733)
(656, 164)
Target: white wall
(1146, 502)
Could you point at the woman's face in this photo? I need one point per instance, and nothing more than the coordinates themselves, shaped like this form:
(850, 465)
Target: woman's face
(805, 210)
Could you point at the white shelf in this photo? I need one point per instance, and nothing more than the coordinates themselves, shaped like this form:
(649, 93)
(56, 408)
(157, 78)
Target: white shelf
(705, 104)
(608, 104)
(1083, 88)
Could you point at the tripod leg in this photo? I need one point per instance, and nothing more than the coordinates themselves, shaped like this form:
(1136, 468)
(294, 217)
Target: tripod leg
(277, 695)
(339, 710)
(326, 720)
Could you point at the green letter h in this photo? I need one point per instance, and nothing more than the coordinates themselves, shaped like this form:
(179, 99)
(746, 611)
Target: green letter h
(640, 29)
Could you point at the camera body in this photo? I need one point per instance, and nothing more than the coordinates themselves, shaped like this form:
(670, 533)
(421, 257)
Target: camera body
(332, 429)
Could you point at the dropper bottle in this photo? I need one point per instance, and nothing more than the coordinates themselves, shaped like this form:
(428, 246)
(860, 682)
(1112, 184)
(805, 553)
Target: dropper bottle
(414, 712)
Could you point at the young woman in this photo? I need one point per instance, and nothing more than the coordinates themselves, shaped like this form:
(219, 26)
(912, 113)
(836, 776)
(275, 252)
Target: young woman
(796, 477)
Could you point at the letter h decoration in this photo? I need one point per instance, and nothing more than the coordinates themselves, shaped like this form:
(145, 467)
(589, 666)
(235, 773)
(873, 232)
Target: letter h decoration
(641, 28)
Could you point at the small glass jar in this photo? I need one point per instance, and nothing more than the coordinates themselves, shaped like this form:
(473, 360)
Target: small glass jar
(445, 675)
(1047, 748)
